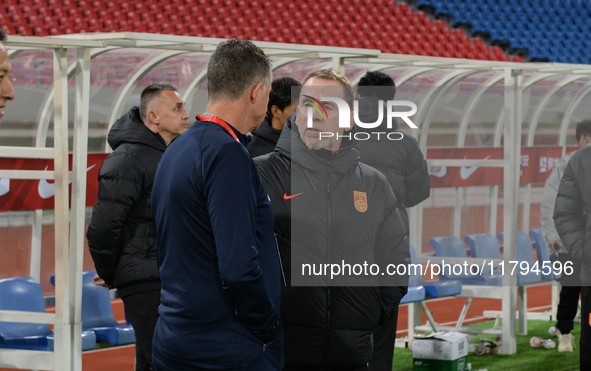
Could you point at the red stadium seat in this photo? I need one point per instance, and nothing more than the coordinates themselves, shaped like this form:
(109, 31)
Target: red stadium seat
(92, 24)
(403, 48)
(42, 12)
(390, 26)
(179, 29)
(98, 5)
(194, 31)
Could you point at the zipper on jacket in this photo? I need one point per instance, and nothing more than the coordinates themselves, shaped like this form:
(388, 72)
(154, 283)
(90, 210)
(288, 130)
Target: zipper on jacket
(329, 255)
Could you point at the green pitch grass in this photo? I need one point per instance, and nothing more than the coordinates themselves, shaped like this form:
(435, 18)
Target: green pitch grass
(526, 358)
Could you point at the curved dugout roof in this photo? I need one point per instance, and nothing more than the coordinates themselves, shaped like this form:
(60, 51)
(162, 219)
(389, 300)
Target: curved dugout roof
(459, 101)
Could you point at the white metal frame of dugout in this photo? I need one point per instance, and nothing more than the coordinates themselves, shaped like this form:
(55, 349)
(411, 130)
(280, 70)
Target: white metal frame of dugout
(68, 251)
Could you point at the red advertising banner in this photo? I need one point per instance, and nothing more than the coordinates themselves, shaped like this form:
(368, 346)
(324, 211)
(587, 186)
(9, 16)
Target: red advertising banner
(536, 165)
(27, 194)
(464, 176)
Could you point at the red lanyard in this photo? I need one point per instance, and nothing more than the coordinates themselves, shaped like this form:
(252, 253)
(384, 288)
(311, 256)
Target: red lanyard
(220, 122)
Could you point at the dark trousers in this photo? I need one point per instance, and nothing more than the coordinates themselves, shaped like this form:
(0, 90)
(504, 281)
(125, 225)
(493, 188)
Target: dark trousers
(142, 310)
(585, 344)
(569, 295)
(383, 345)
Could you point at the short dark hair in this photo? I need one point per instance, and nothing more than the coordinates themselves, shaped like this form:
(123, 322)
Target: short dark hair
(233, 67)
(151, 92)
(328, 74)
(372, 79)
(2, 35)
(280, 95)
(583, 128)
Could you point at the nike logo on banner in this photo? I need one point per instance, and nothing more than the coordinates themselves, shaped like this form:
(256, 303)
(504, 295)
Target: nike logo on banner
(466, 172)
(285, 196)
(4, 186)
(47, 190)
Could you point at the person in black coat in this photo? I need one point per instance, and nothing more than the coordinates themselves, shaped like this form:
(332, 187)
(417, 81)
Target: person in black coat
(403, 163)
(331, 209)
(573, 223)
(122, 233)
(266, 136)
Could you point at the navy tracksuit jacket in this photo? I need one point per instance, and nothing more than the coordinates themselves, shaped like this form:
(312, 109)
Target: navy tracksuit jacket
(217, 257)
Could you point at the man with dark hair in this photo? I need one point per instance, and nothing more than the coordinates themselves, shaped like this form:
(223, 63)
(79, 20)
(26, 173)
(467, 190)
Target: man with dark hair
(372, 79)
(266, 136)
(403, 163)
(218, 260)
(329, 208)
(122, 234)
(6, 89)
(573, 223)
(571, 284)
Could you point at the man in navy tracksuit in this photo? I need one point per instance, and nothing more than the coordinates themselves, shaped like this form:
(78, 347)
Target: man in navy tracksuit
(218, 260)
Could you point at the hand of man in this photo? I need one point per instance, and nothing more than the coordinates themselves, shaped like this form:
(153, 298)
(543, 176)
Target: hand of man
(555, 246)
(98, 281)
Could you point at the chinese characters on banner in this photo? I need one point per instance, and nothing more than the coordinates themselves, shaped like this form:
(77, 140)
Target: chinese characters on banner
(536, 163)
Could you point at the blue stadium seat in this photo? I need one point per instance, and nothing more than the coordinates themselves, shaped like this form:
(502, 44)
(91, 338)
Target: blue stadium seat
(438, 289)
(525, 253)
(97, 314)
(522, 23)
(414, 294)
(25, 294)
(454, 247)
(495, 35)
(442, 8)
(542, 250)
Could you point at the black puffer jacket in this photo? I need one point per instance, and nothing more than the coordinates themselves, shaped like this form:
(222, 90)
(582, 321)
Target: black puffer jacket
(401, 161)
(122, 233)
(328, 208)
(264, 138)
(572, 210)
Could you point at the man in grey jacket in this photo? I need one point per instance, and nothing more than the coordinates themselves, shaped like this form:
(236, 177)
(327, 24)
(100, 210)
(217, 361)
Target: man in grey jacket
(571, 284)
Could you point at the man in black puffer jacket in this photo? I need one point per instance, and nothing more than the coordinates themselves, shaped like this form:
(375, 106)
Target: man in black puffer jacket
(572, 219)
(330, 208)
(264, 139)
(122, 233)
(403, 163)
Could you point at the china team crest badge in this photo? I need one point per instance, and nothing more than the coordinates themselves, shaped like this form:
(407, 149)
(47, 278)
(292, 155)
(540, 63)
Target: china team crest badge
(360, 199)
